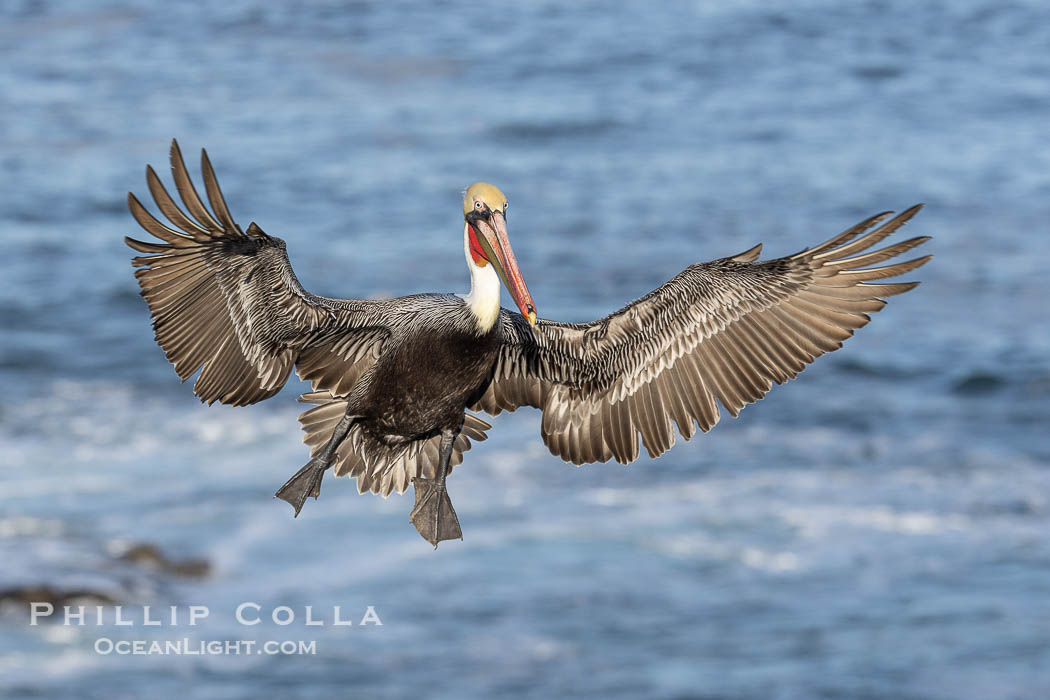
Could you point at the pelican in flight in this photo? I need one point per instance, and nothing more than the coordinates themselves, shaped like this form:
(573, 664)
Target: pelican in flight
(393, 379)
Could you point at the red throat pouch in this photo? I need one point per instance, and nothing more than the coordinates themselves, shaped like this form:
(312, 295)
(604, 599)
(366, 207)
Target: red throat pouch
(476, 251)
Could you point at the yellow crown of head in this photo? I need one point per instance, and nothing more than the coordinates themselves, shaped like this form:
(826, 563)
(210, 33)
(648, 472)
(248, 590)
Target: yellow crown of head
(483, 192)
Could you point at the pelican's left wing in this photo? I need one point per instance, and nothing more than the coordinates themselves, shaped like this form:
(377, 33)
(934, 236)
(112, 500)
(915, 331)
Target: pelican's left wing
(725, 330)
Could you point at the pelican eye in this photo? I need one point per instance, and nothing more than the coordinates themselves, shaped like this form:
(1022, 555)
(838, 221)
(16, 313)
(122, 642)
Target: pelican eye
(478, 205)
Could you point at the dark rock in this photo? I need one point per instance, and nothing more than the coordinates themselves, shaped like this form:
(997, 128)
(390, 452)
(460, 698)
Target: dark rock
(23, 596)
(150, 556)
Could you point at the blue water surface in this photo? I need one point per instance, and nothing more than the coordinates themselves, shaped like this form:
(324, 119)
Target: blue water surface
(879, 528)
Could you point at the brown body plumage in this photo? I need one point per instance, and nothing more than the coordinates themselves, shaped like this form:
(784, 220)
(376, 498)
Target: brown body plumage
(404, 371)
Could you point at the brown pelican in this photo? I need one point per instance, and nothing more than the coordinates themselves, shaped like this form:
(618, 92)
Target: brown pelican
(393, 379)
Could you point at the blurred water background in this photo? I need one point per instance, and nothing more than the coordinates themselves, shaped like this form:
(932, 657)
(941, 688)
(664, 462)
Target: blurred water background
(876, 529)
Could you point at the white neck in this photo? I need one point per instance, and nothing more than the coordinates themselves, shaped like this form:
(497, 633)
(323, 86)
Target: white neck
(483, 299)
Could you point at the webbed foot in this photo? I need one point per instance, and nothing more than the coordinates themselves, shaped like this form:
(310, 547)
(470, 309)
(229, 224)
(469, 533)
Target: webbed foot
(433, 515)
(306, 482)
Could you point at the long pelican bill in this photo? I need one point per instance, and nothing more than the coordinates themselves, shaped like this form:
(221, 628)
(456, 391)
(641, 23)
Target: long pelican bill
(496, 246)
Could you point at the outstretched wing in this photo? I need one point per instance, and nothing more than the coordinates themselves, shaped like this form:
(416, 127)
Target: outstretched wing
(227, 300)
(725, 330)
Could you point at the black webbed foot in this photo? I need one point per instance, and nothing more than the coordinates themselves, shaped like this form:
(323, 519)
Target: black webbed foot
(306, 482)
(433, 515)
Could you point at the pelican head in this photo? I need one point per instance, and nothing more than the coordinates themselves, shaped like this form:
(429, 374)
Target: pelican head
(485, 213)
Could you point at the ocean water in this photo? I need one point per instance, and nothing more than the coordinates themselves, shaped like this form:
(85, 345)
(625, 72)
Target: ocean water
(879, 528)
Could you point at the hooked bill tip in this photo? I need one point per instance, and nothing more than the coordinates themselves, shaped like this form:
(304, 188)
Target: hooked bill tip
(532, 316)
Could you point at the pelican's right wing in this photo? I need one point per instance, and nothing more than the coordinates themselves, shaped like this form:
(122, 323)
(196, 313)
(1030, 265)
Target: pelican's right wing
(228, 301)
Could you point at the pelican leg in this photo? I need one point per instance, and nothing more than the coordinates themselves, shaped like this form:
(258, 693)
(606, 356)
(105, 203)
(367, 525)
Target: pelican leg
(433, 515)
(307, 481)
